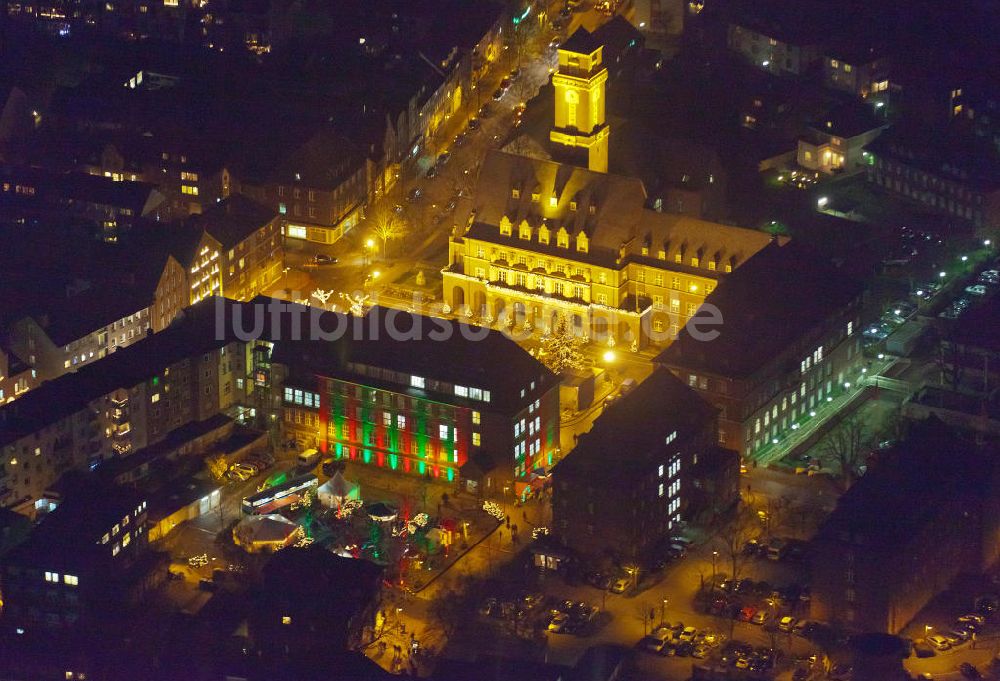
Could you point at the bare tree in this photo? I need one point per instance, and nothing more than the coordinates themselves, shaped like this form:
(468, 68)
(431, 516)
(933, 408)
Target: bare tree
(386, 224)
(741, 528)
(847, 444)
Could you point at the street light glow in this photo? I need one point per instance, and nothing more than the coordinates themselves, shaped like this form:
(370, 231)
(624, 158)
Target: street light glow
(942, 274)
(609, 356)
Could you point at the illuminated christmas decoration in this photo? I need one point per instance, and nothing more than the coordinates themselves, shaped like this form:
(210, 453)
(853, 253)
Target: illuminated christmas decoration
(539, 532)
(494, 509)
(562, 349)
(322, 296)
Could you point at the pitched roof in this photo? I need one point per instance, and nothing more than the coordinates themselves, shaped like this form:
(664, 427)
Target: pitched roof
(620, 223)
(637, 425)
(908, 485)
(780, 294)
(193, 333)
(466, 355)
(234, 219)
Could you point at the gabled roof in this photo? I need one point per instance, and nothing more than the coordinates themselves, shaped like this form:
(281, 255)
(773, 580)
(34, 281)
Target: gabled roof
(908, 486)
(234, 219)
(780, 294)
(620, 225)
(468, 356)
(193, 333)
(634, 429)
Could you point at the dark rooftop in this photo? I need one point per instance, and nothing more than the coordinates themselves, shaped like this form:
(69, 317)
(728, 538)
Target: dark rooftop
(469, 356)
(581, 42)
(88, 510)
(908, 485)
(780, 294)
(950, 154)
(234, 219)
(630, 429)
(193, 333)
(848, 120)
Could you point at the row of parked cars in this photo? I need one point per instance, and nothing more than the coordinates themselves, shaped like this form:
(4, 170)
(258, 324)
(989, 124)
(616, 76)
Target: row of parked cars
(681, 641)
(744, 656)
(250, 467)
(571, 617)
(961, 631)
(985, 284)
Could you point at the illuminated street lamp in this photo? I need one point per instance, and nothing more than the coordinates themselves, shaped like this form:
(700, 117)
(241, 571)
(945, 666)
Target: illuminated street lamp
(715, 557)
(927, 630)
(663, 610)
(609, 356)
(942, 274)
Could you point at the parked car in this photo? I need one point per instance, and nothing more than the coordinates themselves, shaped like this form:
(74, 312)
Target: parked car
(687, 634)
(474, 124)
(747, 613)
(976, 290)
(558, 622)
(760, 617)
(324, 259)
(414, 194)
(620, 585)
(939, 642)
(787, 623)
(498, 95)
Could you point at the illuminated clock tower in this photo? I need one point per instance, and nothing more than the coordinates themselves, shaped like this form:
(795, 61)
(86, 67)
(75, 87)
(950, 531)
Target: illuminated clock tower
(580, 124)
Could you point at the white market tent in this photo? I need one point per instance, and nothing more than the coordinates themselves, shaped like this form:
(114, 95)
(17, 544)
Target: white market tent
(336, 490)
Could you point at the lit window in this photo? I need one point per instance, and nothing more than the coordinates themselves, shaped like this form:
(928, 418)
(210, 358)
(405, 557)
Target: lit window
(155, 398)
(476, 418)
(401, 422)
(660, 471)
(188, 189)
(52, 577)
(417, 381)
(285, 619)
(476, 439)
(71, 580)
(553, 201)
(661, 490)
(443, 432)
(461, 391)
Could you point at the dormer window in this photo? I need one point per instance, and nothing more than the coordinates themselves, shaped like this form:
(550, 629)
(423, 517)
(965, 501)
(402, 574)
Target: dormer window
(572, 206)
(645, 250)
(535, 196)
(678, 258)
(694, 262)
(711, 265)
(553, 201)
(505, 226)
(543, 235)
(661, 254)
(729, 267)
(582, 243)
(525, 231)
(562, 239)
(515, 193)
